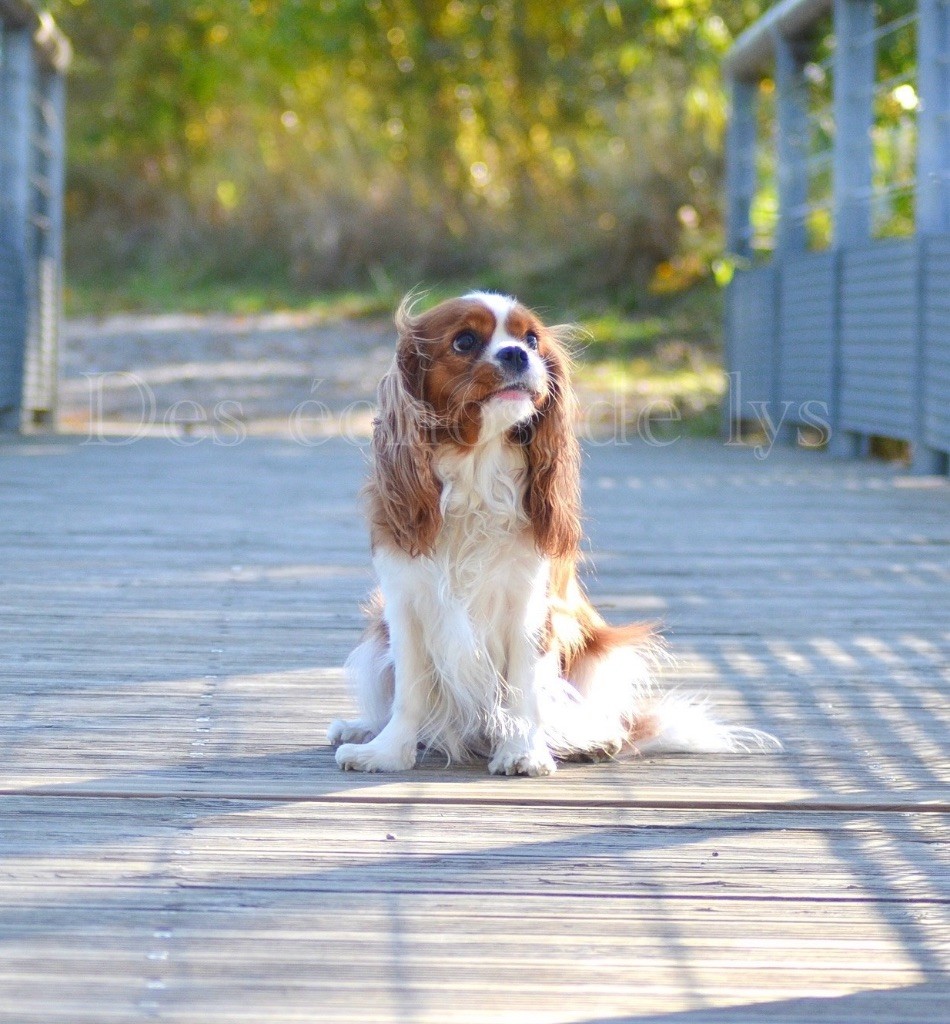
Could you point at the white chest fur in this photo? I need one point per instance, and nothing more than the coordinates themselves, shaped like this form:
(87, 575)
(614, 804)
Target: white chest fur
(482, 504)
(480, 594)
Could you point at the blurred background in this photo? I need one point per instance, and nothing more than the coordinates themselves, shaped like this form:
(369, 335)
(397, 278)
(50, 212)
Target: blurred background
(242, 156)
(246, 156)
(292, 147)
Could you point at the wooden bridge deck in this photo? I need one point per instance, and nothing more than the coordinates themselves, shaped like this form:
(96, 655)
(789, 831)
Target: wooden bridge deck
(176, 843)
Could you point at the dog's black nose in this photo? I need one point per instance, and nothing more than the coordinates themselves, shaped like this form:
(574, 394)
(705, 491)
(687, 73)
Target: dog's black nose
(513, 359)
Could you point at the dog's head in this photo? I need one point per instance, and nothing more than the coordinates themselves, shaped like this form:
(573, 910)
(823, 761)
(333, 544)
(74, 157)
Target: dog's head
(482, 364)
(473, 370)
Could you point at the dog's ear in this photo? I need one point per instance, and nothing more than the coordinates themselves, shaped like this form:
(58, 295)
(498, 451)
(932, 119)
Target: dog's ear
(552, 500)
(404, 490)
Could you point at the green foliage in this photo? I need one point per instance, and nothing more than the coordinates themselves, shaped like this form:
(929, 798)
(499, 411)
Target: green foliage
(342, 143)
(166, 291)
(670, 356)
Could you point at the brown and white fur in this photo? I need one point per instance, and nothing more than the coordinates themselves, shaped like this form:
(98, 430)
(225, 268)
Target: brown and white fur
(482, 642)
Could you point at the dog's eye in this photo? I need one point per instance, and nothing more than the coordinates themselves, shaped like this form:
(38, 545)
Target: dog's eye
(531, 339)
(465, 342)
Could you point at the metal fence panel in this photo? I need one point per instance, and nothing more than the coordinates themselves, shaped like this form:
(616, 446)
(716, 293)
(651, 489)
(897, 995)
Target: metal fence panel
(937, 343)
(12, 317)
(752, 329)
(879, 336)
(808, 316)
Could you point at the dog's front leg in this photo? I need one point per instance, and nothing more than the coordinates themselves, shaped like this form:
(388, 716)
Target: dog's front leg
(522, 749)
(394, 749)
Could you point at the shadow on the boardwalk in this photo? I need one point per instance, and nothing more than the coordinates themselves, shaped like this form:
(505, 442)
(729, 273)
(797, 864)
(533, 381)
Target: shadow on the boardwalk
(905, 1005)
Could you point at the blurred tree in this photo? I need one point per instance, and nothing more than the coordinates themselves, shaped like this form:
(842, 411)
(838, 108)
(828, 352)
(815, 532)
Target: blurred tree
(337, 141)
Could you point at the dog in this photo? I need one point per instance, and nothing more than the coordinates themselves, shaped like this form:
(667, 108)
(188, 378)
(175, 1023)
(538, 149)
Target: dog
(482, 642)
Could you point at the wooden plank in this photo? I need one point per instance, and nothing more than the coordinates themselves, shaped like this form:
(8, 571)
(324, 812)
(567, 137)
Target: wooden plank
(226, 845)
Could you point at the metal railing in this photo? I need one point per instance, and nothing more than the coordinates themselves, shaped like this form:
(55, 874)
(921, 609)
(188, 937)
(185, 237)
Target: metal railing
(34, 56)
(838, 189)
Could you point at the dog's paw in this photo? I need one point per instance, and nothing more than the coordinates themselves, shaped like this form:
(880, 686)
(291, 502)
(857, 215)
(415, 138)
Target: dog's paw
(522, 759)
(374, 757)
(353, 730)
(605, 751)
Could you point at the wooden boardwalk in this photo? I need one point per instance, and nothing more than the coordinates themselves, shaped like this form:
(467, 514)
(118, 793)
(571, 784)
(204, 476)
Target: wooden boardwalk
(176, 843)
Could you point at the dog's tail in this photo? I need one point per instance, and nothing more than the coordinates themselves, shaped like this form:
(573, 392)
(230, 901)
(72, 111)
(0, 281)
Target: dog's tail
(675, 723)
(615, 695)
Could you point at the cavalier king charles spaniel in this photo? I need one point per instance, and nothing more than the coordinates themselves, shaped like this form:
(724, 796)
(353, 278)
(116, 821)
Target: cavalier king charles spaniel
(482, 642)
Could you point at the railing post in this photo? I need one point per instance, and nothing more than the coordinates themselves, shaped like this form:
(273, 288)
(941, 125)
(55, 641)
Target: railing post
(17, 80)
(40, 373)
(854, 119)
(740, 165)
(740, 189)
(791, 147)
(933, 117)
(853, 85)
(791, 144)
(57, 176)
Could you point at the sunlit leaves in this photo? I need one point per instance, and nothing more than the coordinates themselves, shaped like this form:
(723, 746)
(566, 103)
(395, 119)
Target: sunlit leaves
(523, 122)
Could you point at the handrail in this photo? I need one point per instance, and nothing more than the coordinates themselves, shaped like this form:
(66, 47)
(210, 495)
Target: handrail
(754, 50)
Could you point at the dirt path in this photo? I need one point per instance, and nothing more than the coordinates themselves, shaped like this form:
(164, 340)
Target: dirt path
(290, 375)
(284, 374)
